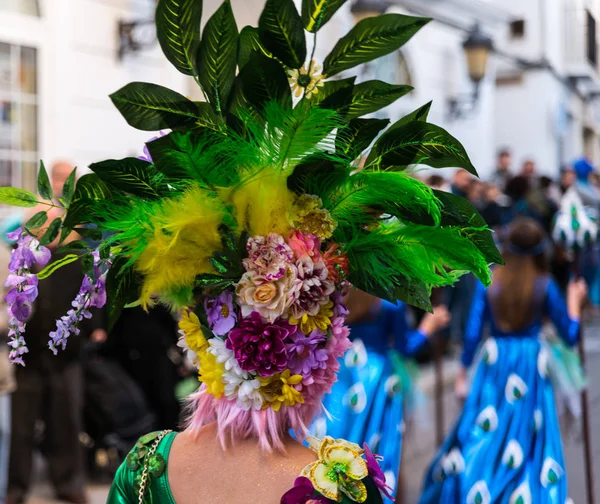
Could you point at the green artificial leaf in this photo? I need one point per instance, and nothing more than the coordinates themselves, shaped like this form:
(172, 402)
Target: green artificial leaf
(371, 96)
(89, 189)
(52, 232)
(358, 135)
(52, 267)
(14, 196)
(371, 38)
(418, 142)
(178, 32)
(69, 188)
(281, 31)
(90, 233)
(263, 80)
(458, 211)
(249, 42)
(122, 287)
(307, 176)
(43, 183)
(73, 246)
(150, 107)
(38, 220)
(315, 13)
(217, 57)
(418, 115)
(87, 264)
(131, 175)
(207, 118)
(337, 95)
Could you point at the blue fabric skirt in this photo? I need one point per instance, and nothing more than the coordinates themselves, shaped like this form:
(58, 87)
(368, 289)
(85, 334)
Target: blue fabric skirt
(366, 405)
(506, 446)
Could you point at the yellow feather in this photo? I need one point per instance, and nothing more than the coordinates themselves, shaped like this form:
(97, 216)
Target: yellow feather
(183, 235)
(263, 204)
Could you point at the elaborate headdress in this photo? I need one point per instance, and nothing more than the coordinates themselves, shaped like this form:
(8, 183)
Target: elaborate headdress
(254, 212)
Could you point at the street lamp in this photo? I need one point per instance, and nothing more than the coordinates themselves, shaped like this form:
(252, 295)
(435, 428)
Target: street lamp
(477, 48)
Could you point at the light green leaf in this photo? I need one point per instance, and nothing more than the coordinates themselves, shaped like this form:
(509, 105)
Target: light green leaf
(150, 107)
(370, 96)
(90, 187)
(281, 32)
(315, 13)
(419, 143)
(52, 232)
(43, 183)
(38, 220)
(371, 38)
(14, 196)
(178, 32)
(217, 56)
(52, 267)
(249, 42)
(358, 135)
(131, 175)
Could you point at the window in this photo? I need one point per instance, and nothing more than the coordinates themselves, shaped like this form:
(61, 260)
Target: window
(18, 116)
(592, 45)
(28, 7)
(517, 29)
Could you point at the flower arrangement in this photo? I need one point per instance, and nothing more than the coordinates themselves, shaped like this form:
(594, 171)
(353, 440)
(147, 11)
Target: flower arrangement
(268, 340)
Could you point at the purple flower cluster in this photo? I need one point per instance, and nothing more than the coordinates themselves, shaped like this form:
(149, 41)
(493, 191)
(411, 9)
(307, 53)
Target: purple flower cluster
(23, 289)
(92, 293)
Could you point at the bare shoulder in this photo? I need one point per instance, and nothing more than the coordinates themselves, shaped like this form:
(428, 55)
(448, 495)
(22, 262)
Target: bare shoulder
(200, 471)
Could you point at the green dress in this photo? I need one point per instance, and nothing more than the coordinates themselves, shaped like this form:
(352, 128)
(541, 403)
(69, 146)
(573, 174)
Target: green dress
(148, 461)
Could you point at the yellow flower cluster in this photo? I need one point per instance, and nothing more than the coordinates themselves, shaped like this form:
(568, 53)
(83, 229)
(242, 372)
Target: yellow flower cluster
(191, 328)
(310, 217)
(211, 374)
(322, 320)
(278, 390)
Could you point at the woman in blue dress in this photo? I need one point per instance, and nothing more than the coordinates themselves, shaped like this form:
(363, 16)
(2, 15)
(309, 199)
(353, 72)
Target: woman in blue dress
(506, 445)
(374, 382)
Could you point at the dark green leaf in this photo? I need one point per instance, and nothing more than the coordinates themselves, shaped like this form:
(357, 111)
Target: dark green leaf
(14, 196)
(264, 80)
(315, 13)
(90, 233)
(72, 246)
(458, 211)
(418, 115)
(370, 96)
(43, 183)
(358, 135)
(281, 32)
(69, 188)
(122, 287)
(87, 264)
(38, 220)
(150, 107)
(217, 57)
(131, 175)
(52, 232)
(207, 117)
(419, 143)
(336, 95)
(89, 188)
(249, 42)
(178, 32)
(52, 267)
(104, 253)
(371, 38)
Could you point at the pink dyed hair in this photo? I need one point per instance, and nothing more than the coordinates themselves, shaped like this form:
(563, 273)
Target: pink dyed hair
(268, 426)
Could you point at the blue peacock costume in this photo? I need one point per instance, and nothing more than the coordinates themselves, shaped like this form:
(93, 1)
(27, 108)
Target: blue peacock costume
(374, 384)
(506, 445)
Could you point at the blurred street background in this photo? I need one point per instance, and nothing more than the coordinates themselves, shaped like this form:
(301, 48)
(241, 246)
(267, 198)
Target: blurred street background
(516, 81)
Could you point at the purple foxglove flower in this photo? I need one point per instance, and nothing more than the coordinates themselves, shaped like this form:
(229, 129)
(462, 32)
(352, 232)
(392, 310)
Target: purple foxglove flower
(21, 309)
(220, 313)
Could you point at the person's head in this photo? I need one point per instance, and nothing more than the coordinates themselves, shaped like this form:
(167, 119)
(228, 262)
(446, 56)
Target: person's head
(462, 179)
(503, 160)
(583, 169)
(528, 169)
(475, 190)
(567, 177)
(513, 287)
(492, 193)
(518, 187)
(436, 182)
(58, 176)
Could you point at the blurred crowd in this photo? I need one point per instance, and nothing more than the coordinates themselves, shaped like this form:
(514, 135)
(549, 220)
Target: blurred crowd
(84, 408)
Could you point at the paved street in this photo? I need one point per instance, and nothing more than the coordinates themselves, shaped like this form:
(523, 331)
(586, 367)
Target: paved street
(419, 444)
